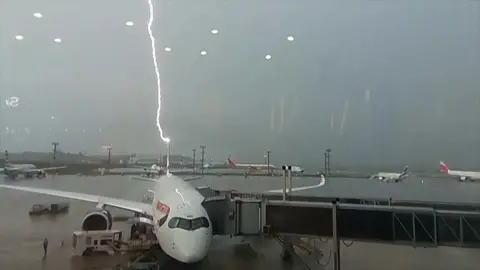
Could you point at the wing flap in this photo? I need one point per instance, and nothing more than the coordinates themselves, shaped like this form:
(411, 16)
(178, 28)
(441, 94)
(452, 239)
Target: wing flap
(137, 207)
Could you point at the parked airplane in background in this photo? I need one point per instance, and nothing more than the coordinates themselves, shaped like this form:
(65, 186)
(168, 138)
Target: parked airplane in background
(216, 165)
(297, 169)
(252, 167)
(180, 222)
(391, 177)
(463, 176)
(153, 171)
(27, 170)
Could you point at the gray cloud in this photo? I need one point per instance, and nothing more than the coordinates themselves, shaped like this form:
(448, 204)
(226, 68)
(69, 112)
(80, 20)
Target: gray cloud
(419, 61)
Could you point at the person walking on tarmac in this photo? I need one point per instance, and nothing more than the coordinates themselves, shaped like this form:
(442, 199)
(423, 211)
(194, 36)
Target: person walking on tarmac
(45, 247)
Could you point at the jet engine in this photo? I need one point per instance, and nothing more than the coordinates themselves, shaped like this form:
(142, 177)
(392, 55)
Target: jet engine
(98, 220)
(463, 179)
(41, 174)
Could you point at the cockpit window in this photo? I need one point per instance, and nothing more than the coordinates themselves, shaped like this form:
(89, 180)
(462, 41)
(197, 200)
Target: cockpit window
(184, 224)
(188, 224)
(162, 221)
(200, 222)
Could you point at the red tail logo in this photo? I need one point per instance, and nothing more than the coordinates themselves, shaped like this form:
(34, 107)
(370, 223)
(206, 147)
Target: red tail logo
(443, 167)
(231, 163)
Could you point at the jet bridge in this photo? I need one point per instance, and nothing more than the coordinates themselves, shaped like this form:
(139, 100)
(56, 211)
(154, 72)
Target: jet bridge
(370, 220)
(411, 225)
(234, 216)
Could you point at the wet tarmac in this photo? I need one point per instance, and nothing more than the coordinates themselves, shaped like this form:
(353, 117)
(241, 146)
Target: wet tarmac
(21, 236)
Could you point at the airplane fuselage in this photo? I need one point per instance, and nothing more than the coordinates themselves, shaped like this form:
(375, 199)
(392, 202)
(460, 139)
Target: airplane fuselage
(389, 175)
(254, 166)
(182, 225)
(297, 169)
(384, 176)
(465, 175)
(13, 170)
(21, 166)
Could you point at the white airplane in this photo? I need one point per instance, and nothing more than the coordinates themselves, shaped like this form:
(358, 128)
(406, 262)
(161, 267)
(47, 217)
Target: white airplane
(391, 177)
(463, 176)
(322, 182)
(252, 167)
(180, 222)
(153, 171)
(27, 170)
(297, 169)
(216, 165)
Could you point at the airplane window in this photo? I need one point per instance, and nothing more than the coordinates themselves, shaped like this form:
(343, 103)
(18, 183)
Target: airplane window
(173, 223)
(200, 222)
(184, 224)
(196, 224)
(188, 224)
(162, 220)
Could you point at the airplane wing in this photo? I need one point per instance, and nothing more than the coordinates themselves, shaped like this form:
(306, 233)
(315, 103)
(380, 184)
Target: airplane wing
(137, 207)
(47, 169)
(322, 182)
(155, 179)
(52, 168)
(192, 178)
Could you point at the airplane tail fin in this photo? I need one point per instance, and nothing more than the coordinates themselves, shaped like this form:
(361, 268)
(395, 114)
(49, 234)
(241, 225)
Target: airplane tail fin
(443, 167)
(231, 164)
(405, 172)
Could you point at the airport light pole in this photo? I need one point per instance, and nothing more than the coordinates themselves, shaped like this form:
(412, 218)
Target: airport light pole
(203, 156)
(55, 145)
(268, 162)
(167, 141)
(194, 150)
(109, 149)
(327, 161)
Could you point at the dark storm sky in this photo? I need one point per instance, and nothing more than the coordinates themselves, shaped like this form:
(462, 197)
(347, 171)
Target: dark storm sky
(379, 82)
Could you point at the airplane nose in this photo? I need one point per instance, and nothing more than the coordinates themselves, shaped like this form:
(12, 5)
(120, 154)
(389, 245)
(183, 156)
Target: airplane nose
(191, 257)
(192, 254)
(192, 249)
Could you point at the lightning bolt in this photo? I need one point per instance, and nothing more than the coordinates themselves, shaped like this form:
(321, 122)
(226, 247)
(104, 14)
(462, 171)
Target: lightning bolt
(157, 73)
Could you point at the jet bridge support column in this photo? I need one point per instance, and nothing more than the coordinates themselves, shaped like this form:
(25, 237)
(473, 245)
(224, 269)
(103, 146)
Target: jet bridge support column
(284, 183)
(336, 239)
(287, 174)
(290, 184)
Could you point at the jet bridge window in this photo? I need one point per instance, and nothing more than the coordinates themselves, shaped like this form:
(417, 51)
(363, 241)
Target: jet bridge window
(188, 224)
